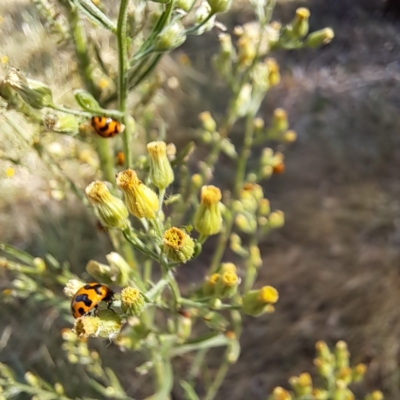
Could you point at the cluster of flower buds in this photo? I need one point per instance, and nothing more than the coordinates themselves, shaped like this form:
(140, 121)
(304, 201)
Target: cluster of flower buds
(334, 367)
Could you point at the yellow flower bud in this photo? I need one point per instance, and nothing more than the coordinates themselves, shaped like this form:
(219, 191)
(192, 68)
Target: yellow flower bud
(319, 38)
(290, 136)
(280, 393)
(227, 267)
(250, 195)
(323, 351)
(227, 285)
(110, 210)
(178, 245)
(132, 301)
(35, 93)
(171, 37)
(210, 284)
(184, 328)
(255, 301)
(359, 372)
(255, 256)
(208, 121)
(246, 224)
(219, 6)
(300, 23)
(340, 390)
(276, 219)
(274, 74)
(345, 374)
(161, 173)
(280, 120)
(32, 379)
(324, 367)
(264, 207)
(141, 201)
(320, 394)
(185, 5)
(208, 219)
(342, 354)
(375, 395)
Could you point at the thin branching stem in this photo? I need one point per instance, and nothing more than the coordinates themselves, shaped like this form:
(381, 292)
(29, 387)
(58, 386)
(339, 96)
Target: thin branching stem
(123, 79)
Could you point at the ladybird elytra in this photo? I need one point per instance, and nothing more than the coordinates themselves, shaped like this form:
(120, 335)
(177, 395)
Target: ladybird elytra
(88, 297)
(106, 127)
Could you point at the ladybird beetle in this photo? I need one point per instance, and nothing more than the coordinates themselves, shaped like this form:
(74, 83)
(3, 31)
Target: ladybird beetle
(88, 297)
(106, 127)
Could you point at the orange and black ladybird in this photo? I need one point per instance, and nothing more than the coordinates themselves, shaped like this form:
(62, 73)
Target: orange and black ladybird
(106, 127)
(88, 297)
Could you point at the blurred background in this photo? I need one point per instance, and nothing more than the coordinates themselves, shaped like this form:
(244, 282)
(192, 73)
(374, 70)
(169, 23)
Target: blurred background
(336, 263)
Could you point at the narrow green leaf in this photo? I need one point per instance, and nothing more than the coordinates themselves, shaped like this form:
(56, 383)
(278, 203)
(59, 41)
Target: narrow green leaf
(86, 100)
(95, 14)
(18, 254)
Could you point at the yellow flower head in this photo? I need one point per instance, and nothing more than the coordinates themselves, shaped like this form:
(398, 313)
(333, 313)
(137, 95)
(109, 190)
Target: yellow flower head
(161, 173)
(178, 245)
(141, 201)
(257, 302)
(210, 284)
(208, 219)
(132, 301)
(227, 285)
(110, 210)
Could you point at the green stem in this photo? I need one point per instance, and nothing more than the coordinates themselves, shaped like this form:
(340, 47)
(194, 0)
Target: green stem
(244, 155)
(219, 378)
(156, 289)
(122, 78)
(221, 246)
(176, 294)
(81, 50)
(106, 160)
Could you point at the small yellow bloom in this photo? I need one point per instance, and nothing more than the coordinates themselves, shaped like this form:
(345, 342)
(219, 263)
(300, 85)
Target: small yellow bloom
(208, 121)
(280, 120)
(208, 219)
(228, 267)
(161, 173)
(359, 372)
(227, 284)
(110, 210)
(280, 393)
(132, 301)
(319, 38)
(255, 301)
(10, 172)
(4, 59)
(274, 74)
(300, 24)
(141, 201)
(178, 245)
(290, 136)
(210, 284)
